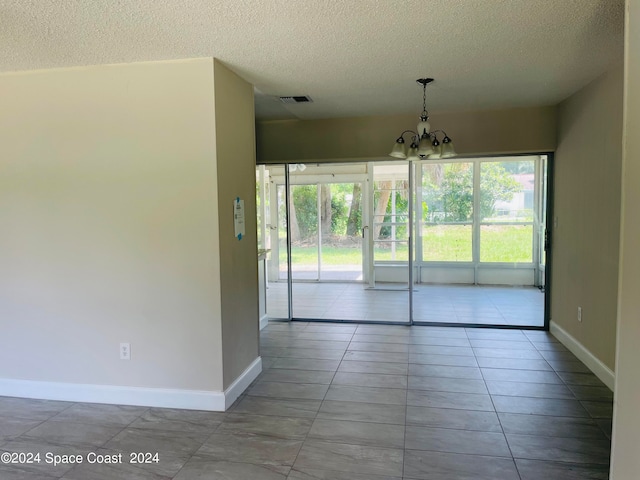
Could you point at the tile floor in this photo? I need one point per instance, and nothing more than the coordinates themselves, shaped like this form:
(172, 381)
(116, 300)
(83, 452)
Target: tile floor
(356, 402)
(468, 304)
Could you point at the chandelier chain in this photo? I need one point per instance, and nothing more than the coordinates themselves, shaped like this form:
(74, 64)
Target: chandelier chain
(424, 100)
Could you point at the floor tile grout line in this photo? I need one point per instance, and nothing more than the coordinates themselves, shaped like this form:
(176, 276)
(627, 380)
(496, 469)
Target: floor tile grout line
(51, 419)
(306, 435)
(500, 422)
(406, 413)
(319, 408)
(44, 421)
(595, 419)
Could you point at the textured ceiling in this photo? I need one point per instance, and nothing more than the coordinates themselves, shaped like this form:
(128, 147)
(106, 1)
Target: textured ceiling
(353, 57)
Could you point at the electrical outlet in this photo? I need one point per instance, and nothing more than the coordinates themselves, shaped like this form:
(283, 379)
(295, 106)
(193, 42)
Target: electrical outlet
(125, 351)
(579, 314)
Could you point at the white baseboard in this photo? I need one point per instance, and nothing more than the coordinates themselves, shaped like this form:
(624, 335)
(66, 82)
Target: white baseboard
(112, 394)
(594, 364)
(120, 395)
(241, 383)
(264, 321)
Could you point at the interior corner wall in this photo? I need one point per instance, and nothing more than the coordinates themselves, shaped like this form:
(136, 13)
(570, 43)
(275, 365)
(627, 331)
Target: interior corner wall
(236, 164)
(625, 461)
(511, 131)
(109, 215)
(586, 222)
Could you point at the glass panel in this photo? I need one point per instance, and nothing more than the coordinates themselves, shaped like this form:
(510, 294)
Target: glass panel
(447, 192)
(341, 227)
(327, 248)
(447, 243)
(390, 232)
(447, 204)
(304, 232)
(260, 220)
(507, 191)
(391, 216)
(276, 241)
(506, 243)
(262, 207)
(282, 234)
(391, 251)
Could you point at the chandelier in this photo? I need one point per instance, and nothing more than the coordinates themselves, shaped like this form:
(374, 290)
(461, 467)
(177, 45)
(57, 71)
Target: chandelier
(424, 143)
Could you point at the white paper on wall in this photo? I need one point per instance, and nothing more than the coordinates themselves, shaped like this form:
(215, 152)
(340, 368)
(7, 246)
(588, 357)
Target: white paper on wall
(238, 218)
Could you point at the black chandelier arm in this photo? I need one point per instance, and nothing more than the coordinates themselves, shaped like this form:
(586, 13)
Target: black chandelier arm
(414, 135)
(440, 131)
(431, 134)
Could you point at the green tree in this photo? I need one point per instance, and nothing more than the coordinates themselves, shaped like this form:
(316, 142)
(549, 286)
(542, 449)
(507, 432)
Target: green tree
(354, 222)
(334, 210)
(452, 199)
(448, 193)
(339, 211)
(305, 205)
(326, 210)
(496, 184)
(457, 193)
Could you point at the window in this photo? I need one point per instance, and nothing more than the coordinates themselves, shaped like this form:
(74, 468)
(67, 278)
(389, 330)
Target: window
(446, 212)
(506, 211)
(481, 211)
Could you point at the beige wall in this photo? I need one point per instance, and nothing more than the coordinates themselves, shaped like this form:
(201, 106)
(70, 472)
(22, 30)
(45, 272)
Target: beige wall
(625, 461)
(109, 215)
(586, 206)
(520, 130)
(235, 149)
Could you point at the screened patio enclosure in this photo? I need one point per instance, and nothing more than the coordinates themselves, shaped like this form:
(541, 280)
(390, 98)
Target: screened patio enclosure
(345, 241)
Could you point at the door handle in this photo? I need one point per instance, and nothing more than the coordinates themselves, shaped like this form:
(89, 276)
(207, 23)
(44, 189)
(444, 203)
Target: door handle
(546, 240)
(363, 229)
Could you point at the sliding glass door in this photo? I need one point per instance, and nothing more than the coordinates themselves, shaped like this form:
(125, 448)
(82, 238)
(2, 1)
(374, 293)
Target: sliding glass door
(326, 246)
(390, 242)
(481, 222)
(346, 241)
(340, 227)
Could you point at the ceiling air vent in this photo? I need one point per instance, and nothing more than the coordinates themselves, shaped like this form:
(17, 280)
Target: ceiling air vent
(301, 99)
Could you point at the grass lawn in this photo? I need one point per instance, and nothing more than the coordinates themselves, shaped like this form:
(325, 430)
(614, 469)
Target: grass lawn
(440, 243)
(498, 243)
(506, 243)
(330, 255)
(446, 243)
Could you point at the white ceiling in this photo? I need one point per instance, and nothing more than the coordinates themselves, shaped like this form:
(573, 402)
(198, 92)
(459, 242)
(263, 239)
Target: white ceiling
(353, 57)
